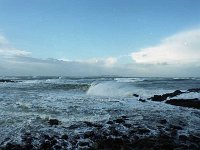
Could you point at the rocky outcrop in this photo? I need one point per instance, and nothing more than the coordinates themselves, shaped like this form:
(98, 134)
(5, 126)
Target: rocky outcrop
(191, 103)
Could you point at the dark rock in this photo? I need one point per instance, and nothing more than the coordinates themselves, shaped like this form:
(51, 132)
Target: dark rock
(89, 134)
(143, 130)
(53, 122)
(183, 138)
(191, 103)
(6, 80)
(90, 124)
(193, 147)
(142, 100)
(57, 147)
(46, 145)
(110, 122)
(127, 125)
(194, 90)
(83, 143)
(74, 126)
(124, 117)
(175, 127)
(163, 121)
(165, 96)
(135, 95)
(119, 120)
(65, 137)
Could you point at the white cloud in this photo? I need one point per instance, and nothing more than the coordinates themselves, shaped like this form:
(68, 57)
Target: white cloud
(180, 48)
(6, 49)
(19, 62)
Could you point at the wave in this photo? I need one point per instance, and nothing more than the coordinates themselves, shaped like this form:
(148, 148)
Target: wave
(129, 79)
(111, 89)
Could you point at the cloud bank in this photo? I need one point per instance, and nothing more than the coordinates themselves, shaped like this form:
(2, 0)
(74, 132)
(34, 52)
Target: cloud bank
(176, 56)
(181, 48)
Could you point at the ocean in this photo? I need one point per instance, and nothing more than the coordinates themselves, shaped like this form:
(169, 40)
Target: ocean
(27, 104)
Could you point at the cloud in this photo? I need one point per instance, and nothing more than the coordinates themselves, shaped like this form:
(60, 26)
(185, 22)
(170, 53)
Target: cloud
(6, 49)
(170, 58)
(181, 48)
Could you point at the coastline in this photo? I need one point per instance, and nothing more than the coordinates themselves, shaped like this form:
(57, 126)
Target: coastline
(122, 132)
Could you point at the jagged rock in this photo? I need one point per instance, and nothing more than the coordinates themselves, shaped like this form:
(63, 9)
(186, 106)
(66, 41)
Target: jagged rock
(6, 80)
(65, 137)
(142, 100)
(135, 95)
(163, 121)
(194, 90)
(191, 103)
(165, 96)
(53, 122)
(119, 120)
(110, 122)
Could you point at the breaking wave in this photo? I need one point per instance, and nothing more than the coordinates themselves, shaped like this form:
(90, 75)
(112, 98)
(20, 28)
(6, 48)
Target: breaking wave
(111, 89)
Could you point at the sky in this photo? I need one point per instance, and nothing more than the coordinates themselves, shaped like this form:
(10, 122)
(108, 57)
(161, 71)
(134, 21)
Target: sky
(100, 37)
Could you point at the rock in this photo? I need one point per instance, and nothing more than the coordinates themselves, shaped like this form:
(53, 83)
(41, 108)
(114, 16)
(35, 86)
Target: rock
(143, 130)
(142, 100)
(194, 90)
(127, 125)
(183, 138)
(90, 124)
(110, 122)
(6, 80)
(65, 137)
(46, 145)
(119, 120)
(175, 127)
(89, 134)
(135, 95)
(191, 103)
(165, 96)
(53, 122)
(163, 121)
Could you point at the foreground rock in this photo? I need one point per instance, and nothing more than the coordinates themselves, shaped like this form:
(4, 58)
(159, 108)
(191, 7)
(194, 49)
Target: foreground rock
(110, 137)
(165, 96)
(191, 103)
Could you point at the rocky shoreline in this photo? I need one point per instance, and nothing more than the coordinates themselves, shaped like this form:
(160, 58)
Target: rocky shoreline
(109, 136)
(119, 133)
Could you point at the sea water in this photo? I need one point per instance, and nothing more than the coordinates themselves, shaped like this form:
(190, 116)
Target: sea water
(27, 104)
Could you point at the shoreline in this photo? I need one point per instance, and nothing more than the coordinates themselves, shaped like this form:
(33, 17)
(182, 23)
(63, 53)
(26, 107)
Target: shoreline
(122, 132)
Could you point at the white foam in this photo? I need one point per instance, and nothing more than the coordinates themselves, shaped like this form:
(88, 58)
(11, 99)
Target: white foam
(110, 88)
(190, 95)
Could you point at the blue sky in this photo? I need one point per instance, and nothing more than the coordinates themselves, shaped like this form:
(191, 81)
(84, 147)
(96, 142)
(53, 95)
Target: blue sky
(80, 30)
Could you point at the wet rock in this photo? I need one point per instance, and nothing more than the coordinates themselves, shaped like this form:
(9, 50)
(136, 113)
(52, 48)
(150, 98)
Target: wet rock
(193, 147)
(110, 122)
(183, 138)
(119, 120)
(89, 134)
(127, 125)
(57, 147)
(135, 95)
(165, 96)
(53, 122)
(191, 103)
(143, 130)
(194, 90)
(176, 127)
(65, 137)
(74, 126)
(142, 100)
(90, 124)
(124, 117)
(46, 145)
(6, 80)
(163, 121)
